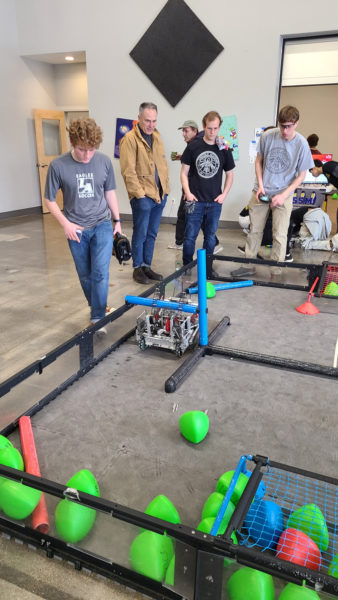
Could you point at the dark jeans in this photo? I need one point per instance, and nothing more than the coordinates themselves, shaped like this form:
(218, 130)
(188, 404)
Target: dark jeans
(209, 212)
(180, 224)
(92, 258)
(146, 221)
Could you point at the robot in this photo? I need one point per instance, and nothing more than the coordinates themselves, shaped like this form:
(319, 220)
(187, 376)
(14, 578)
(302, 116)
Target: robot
(174, 330)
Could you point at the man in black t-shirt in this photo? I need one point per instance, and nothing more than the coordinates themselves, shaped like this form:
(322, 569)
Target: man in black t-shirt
(203, 163)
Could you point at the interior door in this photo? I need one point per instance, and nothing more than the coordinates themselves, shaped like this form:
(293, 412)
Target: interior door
(51, 141)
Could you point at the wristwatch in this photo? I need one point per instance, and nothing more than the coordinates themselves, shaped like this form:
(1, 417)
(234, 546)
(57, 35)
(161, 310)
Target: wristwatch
(117, 220)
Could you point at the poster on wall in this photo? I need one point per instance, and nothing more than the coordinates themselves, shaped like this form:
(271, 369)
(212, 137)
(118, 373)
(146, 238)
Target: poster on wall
(253, 145)
(229, 134)
(258, 133)
(122, 127)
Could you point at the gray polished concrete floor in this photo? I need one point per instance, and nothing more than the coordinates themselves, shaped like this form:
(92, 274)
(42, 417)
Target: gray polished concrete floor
(43, 306)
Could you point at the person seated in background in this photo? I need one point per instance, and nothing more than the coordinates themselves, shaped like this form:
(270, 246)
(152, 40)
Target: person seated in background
(313, 140)
(330, 170)
(315, 231)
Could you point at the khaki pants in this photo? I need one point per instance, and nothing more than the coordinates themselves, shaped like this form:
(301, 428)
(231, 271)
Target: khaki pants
(280, 223)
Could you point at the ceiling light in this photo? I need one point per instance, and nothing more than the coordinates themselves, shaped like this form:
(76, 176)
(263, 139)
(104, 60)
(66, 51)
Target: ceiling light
(70, 58)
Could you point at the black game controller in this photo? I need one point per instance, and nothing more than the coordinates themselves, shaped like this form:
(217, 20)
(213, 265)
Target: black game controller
(264, 198)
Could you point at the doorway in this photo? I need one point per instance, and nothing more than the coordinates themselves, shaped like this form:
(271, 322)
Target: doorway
(309, 81)
(50, 135)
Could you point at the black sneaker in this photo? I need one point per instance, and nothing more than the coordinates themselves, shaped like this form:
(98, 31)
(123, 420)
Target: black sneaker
(140, 276)
(288, 257)
(212, 274)
(151, 274)
(241, 249)
(243, 272)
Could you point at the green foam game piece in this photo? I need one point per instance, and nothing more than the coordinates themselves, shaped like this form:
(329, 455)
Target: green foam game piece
(4, 442)
(224, 482)
(211, 292)
(333, 568)
(293, 591)
(194, 425)
(334, 196)
(206, 526)
(331, 289)
(18, 500)
(84, 481)
(310, 520)
(10, 457)
(162, 508)
(250, 584)
(150, 554)
(213, 504)
(73, 521)
(170, 574)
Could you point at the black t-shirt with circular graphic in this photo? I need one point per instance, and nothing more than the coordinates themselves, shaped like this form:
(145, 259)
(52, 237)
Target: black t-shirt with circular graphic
(207, 163)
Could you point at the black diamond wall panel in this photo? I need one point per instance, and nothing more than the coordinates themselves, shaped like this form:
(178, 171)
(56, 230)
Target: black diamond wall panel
(176, 50)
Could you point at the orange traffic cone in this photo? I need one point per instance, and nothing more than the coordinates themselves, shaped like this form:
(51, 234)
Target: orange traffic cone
(307, 308)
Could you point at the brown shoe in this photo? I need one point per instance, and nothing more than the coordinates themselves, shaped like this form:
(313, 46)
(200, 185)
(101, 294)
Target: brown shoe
(151, 274)
(140, 276)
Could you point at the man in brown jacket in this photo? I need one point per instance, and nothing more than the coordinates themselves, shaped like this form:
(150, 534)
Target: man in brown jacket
(145, 172)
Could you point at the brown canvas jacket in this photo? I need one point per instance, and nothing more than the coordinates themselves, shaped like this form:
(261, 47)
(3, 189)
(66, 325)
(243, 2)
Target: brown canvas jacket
(137, 162)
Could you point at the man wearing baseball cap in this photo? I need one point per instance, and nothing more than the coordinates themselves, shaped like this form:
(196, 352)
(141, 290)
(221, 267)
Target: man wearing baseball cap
(189, 123)
(189, 131)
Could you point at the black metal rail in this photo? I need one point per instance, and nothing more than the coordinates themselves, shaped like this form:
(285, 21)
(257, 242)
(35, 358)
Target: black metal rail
(273, 361)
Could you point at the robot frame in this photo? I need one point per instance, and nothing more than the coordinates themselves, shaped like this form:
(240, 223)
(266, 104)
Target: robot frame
(172, 329)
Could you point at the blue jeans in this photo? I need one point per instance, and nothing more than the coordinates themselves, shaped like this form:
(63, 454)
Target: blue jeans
(146, 221)
(92, 258)
(210, 212)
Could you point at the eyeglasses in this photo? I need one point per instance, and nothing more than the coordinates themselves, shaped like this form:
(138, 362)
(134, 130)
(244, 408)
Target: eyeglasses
(286, 125)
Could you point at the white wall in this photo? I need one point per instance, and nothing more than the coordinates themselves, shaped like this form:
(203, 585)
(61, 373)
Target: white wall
(71, 89)
(243, 80)
(25, 84)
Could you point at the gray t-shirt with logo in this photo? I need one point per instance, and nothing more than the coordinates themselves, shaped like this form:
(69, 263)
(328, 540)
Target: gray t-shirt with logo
(83, 186)
(282, 160)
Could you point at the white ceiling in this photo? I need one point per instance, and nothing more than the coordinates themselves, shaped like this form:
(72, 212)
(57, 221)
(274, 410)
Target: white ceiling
(58, 58)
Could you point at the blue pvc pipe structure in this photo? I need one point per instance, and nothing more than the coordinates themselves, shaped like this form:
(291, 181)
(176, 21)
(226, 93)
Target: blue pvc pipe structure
(202, 297)
(161, 303)
(239, 469)
(225, 286)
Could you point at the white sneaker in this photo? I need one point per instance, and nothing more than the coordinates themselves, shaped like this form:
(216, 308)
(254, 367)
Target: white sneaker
(175, 246)
(218, 249)
(334, 243)
(100, 332)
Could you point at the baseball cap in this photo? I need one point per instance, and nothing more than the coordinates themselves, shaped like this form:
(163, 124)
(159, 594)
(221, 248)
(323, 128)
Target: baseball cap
(189, 124)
